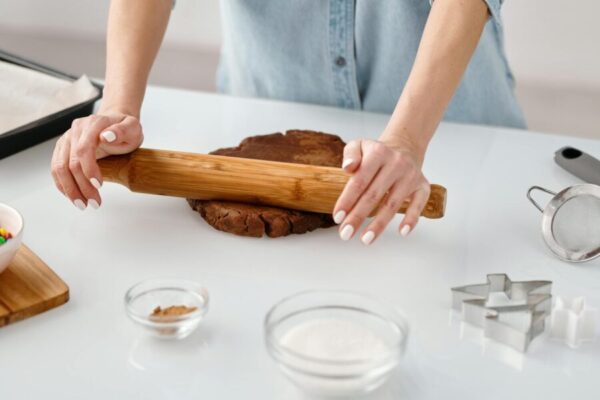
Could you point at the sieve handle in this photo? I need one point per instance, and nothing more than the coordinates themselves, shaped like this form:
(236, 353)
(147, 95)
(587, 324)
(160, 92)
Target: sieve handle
(580, 164)
(535, 203)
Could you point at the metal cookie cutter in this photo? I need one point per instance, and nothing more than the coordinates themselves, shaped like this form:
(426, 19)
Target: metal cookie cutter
(510, 312)
(571, 221)
(573, 321)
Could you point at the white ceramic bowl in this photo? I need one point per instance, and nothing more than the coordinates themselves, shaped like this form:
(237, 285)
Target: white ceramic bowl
(336, 370)
(12, 221)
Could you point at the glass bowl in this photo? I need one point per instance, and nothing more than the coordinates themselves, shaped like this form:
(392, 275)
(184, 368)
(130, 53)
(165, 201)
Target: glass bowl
(142, 299)
(335, 343)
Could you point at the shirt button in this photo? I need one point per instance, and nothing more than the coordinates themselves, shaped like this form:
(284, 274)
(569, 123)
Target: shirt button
(340, 61)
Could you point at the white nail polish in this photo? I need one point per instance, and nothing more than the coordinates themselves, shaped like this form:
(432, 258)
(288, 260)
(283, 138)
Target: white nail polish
(347, 162)
(96, 183)
(346, 232)
(405, 230)
(109, 136)
(79, 204)
(368, 237)
(339, 216)
(94, 204)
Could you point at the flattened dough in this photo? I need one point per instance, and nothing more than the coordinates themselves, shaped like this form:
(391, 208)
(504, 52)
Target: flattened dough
(295, 146)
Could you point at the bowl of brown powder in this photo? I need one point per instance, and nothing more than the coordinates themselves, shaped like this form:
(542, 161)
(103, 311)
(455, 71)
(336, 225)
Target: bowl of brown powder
(167, 308)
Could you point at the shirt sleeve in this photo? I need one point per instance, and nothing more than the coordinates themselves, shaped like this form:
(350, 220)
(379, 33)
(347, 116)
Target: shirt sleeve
(493, 6)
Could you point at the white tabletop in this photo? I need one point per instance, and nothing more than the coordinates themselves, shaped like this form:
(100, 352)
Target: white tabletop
(88, 349)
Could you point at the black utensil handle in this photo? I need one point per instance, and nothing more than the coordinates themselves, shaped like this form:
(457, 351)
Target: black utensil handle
(580, 164)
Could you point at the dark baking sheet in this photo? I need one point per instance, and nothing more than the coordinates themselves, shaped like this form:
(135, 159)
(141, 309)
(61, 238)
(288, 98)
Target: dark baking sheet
(48, 127)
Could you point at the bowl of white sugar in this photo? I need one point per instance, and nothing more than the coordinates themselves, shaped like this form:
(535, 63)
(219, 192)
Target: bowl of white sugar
(335, 343)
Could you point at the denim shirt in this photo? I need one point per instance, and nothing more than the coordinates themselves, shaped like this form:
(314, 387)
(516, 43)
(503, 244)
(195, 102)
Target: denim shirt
(354, 54)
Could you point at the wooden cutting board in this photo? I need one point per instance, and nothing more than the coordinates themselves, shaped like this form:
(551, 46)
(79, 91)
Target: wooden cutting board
(29, 287)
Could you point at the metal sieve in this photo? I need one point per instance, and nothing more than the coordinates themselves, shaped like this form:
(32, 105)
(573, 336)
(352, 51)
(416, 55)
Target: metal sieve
(571, 221)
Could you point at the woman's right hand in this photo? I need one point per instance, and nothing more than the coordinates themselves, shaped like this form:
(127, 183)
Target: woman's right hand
(74, 167)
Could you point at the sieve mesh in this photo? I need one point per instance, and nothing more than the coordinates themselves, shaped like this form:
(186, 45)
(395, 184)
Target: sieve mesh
(576, 224)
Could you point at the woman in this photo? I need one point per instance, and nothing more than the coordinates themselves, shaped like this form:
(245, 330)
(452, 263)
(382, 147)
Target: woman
(404, 57)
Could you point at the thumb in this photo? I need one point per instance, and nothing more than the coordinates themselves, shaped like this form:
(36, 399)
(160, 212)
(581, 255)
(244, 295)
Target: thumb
(352, 156)
(122, 137)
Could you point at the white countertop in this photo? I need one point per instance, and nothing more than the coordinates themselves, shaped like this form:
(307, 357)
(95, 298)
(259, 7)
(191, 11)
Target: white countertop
(88, 349)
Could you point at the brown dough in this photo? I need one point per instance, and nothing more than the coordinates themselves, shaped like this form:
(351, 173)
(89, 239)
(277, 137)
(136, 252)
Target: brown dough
(295, 146)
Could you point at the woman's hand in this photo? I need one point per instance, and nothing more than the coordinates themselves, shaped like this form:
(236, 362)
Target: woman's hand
(74, 167)
(387, 172)
(384, 175)
(135, 31)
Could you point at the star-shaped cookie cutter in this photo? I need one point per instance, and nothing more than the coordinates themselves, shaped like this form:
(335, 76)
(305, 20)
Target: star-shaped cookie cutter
(512, 313)
(573, 321)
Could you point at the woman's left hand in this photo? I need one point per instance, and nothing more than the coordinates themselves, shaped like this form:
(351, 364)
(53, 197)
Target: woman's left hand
(384, 175)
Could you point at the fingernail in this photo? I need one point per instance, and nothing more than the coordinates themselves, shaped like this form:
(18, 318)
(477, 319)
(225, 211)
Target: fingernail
(368, 237)
(109, 136)
(405, 231)
(346, 232)
(96, 183)
(79, 204)
(94, 204)
(339, 216)
(347, 162)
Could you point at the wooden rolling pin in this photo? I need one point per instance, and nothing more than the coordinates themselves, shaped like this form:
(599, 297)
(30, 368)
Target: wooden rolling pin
(208, 177)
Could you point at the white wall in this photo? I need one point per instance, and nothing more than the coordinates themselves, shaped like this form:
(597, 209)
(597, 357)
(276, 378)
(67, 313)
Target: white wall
(194, 23)
(554, 41)
(548, 41)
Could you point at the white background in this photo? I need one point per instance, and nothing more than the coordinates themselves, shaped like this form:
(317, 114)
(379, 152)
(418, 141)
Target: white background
(552, 46)
(547, 40)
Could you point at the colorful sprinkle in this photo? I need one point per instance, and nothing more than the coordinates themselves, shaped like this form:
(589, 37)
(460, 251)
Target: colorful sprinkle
(4, 236)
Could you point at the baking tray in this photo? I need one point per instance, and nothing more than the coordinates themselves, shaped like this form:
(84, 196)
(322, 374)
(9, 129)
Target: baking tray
(47, 127)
